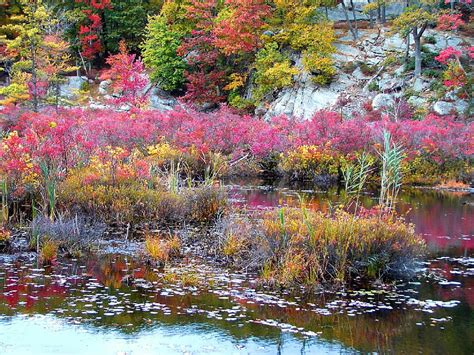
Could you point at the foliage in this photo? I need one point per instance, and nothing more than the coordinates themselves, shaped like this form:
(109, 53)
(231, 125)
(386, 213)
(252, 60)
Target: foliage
(102, 157)
(125, 21)
(160, 53)
(48, 252)
(449, 22)
(91, 27)
(412, 19)
(157, 249)
(238, 26)
(5, 236)
(128, 77)
(447, 54)
(307, 162)
(321, 67)
(273, 71)
(40, 55)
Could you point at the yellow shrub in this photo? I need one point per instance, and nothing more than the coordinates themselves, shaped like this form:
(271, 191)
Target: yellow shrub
(156, 249)
(48, 252)
(233, 245)
(308, 161)
(4, 235)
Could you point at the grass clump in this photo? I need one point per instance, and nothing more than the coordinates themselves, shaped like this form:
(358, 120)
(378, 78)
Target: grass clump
(135, 202)
(5, 236)
(48, 252)
(296, 246)
(160, 251)
(157, 250)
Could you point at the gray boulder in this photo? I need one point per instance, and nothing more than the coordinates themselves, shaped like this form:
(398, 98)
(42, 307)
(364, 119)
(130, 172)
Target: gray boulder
(461, 106)
(443, 107)
(381, 101)
(416, 101)
(161, 101)
(71, 87)
(104, 86)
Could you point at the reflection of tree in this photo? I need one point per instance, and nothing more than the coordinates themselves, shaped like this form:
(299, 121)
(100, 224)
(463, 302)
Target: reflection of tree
(382, 331)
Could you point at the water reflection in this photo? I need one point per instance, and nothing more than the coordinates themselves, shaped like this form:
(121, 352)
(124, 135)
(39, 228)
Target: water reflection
(115, 304)
(229, 309)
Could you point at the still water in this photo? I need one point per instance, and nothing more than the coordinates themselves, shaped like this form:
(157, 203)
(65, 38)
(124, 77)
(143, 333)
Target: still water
(116, 305)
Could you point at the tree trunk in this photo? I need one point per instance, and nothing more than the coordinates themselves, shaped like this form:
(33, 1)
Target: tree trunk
(417, 40)
(384, 13)
(379, 17)
(407, 52)
(351, 28)
(34, 79)
(371, 17)
(354, 16)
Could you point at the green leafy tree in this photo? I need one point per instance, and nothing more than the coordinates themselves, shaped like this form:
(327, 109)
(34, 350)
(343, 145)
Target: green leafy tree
(159, 53)
(125, 19)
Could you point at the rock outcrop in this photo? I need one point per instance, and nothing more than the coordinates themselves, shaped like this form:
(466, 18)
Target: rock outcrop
(367, 72)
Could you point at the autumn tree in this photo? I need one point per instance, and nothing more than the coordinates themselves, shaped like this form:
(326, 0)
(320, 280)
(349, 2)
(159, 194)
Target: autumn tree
(127, 74)
(415, 20)
(238, 26)
(211, 46)
(40, 55)
(88, 17)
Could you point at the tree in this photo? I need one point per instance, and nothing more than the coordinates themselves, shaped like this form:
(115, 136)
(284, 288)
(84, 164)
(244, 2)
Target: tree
(159, 51)
(238, 26)
(128, 77)
(414, 20)
(204, 75)
(125, 20)
(91, 28)
(40, 56)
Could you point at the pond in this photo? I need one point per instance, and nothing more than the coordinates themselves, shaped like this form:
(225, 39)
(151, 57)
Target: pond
(115, 304)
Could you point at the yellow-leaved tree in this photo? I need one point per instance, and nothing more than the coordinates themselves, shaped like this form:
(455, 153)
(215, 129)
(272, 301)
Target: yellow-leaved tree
(40, 57)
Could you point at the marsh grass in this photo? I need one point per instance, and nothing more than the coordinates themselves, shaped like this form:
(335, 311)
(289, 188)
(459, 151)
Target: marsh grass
(48, 251)
(157, 250)
(73, 235)
(136, 202)
(4, 208)
(161, 250)
(391, 176)
(297, 246)
(293, 246)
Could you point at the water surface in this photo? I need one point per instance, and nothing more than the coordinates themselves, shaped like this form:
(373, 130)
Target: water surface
(116, 305)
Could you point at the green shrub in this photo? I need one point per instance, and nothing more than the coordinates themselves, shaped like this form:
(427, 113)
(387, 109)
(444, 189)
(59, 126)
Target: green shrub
(273, 71)
(373, 86)
(429, 39)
